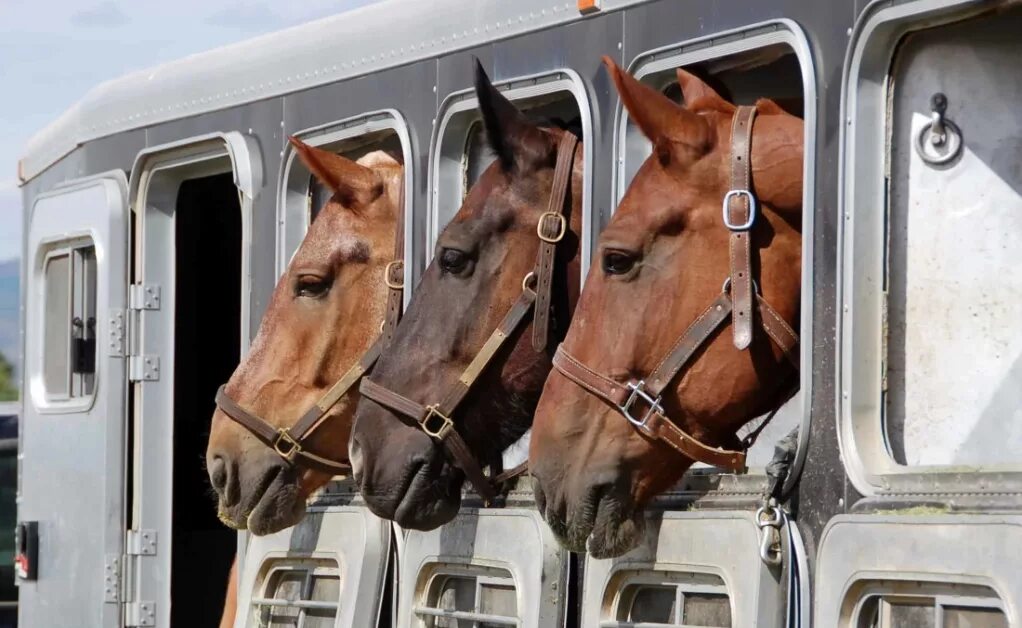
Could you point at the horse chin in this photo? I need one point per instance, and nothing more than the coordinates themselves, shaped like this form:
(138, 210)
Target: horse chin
(604, 526)
(429, 502)
(278, 505)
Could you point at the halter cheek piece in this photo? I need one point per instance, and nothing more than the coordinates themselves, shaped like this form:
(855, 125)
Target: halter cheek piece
(435, 419)
(289, 443)
(640, 402)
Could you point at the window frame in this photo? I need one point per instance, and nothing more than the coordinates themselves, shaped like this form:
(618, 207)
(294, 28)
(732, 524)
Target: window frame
(661, 578)
(941, 594)
(862, 243)
(311, 568)
(293, 201)
(43, 400)
(455, 117)
(715, 46)
(425, 609)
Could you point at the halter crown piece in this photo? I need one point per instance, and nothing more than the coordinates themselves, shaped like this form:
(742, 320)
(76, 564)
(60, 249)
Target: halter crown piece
(435, 419)
(640, 401)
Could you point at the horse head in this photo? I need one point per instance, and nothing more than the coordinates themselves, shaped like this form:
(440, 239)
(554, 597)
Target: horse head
(644, 385)
(325, 313)
(478, 278)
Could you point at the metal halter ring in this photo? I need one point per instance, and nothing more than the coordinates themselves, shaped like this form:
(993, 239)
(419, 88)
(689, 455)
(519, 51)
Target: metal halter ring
(446, 424)
(745, 226)
(386, 275)
(283, 436)
(562, 228)
(638, 391)
(727, 285)
(531, 277)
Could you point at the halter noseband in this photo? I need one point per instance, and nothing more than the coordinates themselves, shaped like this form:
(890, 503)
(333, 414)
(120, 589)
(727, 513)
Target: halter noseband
(289, 443)
(435, 419)
(641, 401)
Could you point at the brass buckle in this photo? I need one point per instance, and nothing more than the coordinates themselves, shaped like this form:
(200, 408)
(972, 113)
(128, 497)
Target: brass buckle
(446, 424)
(293, 448)
(394, 285)
(561, 230)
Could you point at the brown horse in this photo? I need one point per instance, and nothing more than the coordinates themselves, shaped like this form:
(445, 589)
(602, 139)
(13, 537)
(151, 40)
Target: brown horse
(478, 274)
(662, 261)
(325, 313)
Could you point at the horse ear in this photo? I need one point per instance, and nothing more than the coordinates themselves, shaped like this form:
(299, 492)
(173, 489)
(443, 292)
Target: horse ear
(699, 95)
(350, 181)
(656, 115)
(517, 142)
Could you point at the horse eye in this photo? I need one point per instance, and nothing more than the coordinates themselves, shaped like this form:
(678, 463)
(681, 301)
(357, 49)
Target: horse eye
(312, 286)
(453, 261)
(618, 262)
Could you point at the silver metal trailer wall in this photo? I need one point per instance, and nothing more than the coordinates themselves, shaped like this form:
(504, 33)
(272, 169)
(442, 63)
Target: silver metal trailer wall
(903, 505)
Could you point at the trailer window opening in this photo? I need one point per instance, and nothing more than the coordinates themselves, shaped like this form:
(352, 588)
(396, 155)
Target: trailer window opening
(951, 354)
(771, 71)
(930, 611)
(299, 596)
(467, 597)
(354, 149)
(462, 149)
(667, 599)
(559, 111)
(69, 344)
(302, 196)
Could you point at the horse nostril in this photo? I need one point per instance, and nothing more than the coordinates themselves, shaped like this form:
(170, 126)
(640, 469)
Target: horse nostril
(222, 478)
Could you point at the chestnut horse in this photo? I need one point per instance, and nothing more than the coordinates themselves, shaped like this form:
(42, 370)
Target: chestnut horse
(460, 344)
(323, 317)
(649, 378)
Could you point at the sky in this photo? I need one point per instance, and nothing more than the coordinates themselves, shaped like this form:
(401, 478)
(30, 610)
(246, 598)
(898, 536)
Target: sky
(53, 51)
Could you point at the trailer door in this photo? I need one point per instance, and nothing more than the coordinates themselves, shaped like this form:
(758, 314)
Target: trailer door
(73, 429)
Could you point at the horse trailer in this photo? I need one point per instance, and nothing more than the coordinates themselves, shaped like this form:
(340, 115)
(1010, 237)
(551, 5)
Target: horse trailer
(166, 204)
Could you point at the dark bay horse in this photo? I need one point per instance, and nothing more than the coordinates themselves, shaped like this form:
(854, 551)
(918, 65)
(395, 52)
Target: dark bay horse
(322, 320)
(662, 363)
(507, 247)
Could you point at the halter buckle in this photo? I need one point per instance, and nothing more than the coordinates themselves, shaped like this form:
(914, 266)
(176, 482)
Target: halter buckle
(562, 228)
(726, 208)
(293, 448)
(392, 283)
(639, 392)
(446, 424)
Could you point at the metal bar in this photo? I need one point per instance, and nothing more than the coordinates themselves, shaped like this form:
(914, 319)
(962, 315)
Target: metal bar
(329, 606)
(500, 620)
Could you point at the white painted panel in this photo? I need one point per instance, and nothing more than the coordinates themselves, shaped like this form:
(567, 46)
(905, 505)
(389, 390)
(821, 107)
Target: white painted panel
(349, 535)
(514, 540)
(954, 346)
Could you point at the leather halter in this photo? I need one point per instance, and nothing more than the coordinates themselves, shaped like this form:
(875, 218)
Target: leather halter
(641, 401)
(435, 419)
(289, 443)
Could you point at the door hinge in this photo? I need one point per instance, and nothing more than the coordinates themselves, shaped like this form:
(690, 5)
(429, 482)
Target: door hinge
(144, 296)
(141, 543)
(112, 579)
(140, 614)
(144, 368)
(117, 343)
